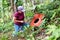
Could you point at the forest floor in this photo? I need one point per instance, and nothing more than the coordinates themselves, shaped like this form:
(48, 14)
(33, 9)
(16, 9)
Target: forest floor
(40, 35)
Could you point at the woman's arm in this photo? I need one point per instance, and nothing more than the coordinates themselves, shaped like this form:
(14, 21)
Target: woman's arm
(14, 19)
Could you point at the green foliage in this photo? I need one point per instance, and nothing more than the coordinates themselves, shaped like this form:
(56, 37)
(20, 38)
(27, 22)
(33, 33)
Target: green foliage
(19, 3)
(50, 10)
(54, 31)
(5, 3)
(27, 34)
(29, 14)
(4, 37)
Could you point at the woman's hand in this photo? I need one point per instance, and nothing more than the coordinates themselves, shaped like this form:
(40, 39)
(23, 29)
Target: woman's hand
(21, 21)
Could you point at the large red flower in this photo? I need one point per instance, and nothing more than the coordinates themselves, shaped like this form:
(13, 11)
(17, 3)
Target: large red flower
(37, 20)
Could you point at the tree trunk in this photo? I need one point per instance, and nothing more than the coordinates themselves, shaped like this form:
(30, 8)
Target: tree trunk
(32, 2)
(12, 5)
(15, 6)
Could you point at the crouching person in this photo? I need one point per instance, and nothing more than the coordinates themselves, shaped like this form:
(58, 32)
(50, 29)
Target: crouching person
(18, 19)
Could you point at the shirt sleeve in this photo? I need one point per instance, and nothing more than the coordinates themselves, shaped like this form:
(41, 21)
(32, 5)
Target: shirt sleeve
(15, 15)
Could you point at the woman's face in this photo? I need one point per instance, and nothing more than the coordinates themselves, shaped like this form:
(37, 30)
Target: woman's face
(19, 11)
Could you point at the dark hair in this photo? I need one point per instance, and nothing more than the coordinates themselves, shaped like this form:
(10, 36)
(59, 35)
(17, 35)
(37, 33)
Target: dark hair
(17, 10)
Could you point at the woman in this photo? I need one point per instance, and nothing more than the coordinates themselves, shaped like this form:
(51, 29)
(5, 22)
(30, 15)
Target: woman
(18, 19)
